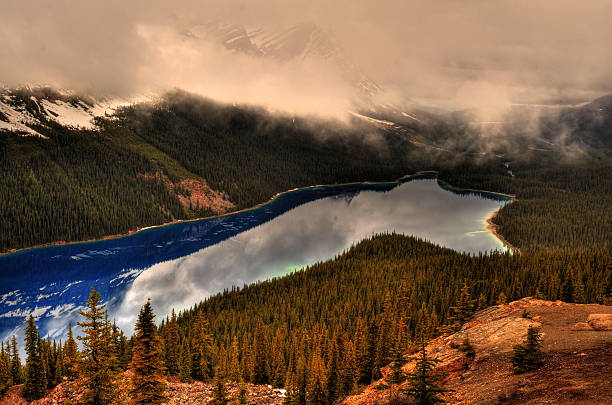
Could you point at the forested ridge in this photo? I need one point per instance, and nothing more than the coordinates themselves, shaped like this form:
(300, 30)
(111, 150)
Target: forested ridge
(561, 201)
(332, 325)
(385, 288)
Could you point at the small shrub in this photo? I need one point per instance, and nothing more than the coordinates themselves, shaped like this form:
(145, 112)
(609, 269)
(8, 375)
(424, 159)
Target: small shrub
(467, 348)
(529, 355)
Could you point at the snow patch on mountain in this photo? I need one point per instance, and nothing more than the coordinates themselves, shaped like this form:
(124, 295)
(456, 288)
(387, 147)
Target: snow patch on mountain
(16, 119)
(23, 110)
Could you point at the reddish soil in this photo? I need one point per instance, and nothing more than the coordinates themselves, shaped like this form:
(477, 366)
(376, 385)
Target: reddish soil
(178, 393)
(194, 193)
(576, 370)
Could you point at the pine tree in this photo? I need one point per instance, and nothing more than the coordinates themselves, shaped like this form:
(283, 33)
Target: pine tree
(573, 290)
(333, 368)
(98, 357)
(202, 349)
(247, 363)
(261, 356)
(147, 386)
(277, 366)
(16, 371)
(35, 383)
(220, 397)
(172, 346)
(529, 355)
(44, 361)
(301, 376)
(349, 374)
(362, 355)
(316, 390)
(385, 334)
(233, 372)
(71, 357)
(117, 347)
(397, 375)
(6, 379)
(423, 387)
(462, 310)
(185, 362)
(59, 371)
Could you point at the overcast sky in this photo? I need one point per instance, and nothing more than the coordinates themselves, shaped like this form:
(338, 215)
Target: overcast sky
(471, 53)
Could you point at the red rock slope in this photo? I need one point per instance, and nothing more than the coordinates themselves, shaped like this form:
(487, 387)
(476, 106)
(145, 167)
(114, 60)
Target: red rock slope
(578, 367)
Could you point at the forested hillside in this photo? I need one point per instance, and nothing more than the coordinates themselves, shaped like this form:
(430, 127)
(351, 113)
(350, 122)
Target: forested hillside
(78, 184)
(331, 326)
(562, 201)
(81, 184)
(354, 311)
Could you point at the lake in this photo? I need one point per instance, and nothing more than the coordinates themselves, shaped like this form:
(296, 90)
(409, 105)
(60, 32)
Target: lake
(178, 265)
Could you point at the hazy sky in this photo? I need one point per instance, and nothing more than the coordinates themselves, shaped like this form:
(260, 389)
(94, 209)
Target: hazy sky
(470, 53)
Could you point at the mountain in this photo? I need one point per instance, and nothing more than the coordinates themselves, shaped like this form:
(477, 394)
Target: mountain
(302, 41)
(577, 341)
(27, 110)
(543, 127)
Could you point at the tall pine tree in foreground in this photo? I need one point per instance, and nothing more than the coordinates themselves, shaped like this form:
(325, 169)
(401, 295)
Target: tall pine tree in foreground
(98, 356)
(202, 349)
(15, 362)
(423, 382)
(71, 357)
(172, 346)
(6, 380)
(36, 382)
(147, 387)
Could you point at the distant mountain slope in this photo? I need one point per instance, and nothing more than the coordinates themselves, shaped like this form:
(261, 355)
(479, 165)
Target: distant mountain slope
(22, 110)
(302, 41)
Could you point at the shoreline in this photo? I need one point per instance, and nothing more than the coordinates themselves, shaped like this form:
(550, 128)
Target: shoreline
(402, 179)
(512, 197)
(492, 228)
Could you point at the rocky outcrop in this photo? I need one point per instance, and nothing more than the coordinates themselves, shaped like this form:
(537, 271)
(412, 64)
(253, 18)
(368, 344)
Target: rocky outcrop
(576, 368)
(193, 193)
(202, 393)
(197, 393)
(602, 322)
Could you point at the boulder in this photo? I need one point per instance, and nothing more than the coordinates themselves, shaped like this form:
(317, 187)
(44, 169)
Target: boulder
(600, 321)
(581, 326)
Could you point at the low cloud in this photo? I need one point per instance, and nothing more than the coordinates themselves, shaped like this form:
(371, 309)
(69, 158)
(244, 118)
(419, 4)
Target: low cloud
(469, 54)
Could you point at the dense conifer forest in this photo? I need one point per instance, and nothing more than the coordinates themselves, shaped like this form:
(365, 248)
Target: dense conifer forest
(326, 329)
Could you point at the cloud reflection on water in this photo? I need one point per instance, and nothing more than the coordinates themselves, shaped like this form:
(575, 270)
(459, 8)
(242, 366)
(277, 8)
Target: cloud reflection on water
(312, 232)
